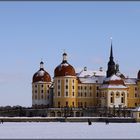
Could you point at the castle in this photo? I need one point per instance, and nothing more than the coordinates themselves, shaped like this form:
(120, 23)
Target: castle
(84, 89)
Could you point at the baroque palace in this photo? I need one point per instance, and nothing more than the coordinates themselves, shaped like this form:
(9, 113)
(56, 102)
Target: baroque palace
(85, 89)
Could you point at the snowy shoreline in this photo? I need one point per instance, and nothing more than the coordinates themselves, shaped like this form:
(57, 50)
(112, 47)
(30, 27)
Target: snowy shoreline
(69, 119)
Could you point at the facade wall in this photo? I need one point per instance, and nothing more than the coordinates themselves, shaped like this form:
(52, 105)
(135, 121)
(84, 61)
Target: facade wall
(133, 96)
(65, 91)
(40, 93)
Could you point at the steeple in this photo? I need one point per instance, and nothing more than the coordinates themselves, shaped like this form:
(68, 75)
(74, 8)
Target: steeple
(111, 64)
(64, 58)
(41, 65)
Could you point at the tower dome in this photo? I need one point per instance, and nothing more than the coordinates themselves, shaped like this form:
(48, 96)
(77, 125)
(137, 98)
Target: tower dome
(41, 75)
(64, 69)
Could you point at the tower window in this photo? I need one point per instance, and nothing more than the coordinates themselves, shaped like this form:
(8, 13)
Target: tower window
(73, 81)
(36, 86)
(66, 93)
(41, 85)
(41, 91)
(73, 87)
(35, 91)
(97, 88)
(72, 93)
(66, 86)
(66, 80)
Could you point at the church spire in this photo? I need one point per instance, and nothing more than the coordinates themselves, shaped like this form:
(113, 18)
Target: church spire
(111, 64)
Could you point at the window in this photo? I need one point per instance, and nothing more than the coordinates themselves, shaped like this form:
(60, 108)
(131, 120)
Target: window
(97, 88)
(67, 104)
(66, 86)
(36, 86)
(135, 104)
(41, 91)
(122, 100)
(48, 86)
(117, 94)
(85, 94)
(90, 88)
(58, 86)
(97, 94)
(72, 93)
(35, 91)
(111, 100)
(47, 91)
(136, 88)
(42, 86)
(139, 114)
(85, 88)
(66, 93)
(90, 94)
(58, 93)
(81, 94)
(135, 95)
(58, 81)
(81, 88)
(78, 94)
(58, 104)
(66, 80)
(73, 81)
(73, 87)
(73, 104)
(78, 87)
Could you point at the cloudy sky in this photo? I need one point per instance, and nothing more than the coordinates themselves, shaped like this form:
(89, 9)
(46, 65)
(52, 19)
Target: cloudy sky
(31, 31)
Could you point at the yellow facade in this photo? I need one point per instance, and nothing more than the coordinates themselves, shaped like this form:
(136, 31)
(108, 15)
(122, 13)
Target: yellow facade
(65, 91)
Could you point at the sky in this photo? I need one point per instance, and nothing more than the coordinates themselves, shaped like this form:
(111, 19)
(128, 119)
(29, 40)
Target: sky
(31, 31)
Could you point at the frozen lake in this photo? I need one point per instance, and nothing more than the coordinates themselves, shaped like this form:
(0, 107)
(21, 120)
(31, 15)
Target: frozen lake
(69, 130)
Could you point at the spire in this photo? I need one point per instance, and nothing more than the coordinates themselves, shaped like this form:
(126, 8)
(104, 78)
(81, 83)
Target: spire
(41, 65)
(111, 64)
(64, 57)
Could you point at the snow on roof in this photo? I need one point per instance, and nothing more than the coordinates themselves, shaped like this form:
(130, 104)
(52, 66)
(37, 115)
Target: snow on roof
(89, 73)
(92, 79)
(113, 86)
(130, 80)
(112, 78)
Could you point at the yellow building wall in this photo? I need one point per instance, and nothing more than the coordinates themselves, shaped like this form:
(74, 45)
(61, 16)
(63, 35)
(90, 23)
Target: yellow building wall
(63, 98)
(133, 101)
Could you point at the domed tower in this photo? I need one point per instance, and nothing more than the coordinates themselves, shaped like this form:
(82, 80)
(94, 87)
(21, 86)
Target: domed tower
(40, 88)
(65, 84)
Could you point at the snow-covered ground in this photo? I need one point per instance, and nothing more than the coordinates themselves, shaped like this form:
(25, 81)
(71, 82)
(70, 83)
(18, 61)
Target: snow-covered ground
(69, 130)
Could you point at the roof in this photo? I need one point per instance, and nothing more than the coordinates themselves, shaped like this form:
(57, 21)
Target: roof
(91, 76)
(92, 79)
(130, 81)
(89, 73)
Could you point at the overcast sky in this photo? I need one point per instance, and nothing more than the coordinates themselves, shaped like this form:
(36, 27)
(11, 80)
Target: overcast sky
(31, 31)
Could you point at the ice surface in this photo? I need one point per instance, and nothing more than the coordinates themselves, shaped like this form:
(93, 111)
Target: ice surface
(69, 130)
